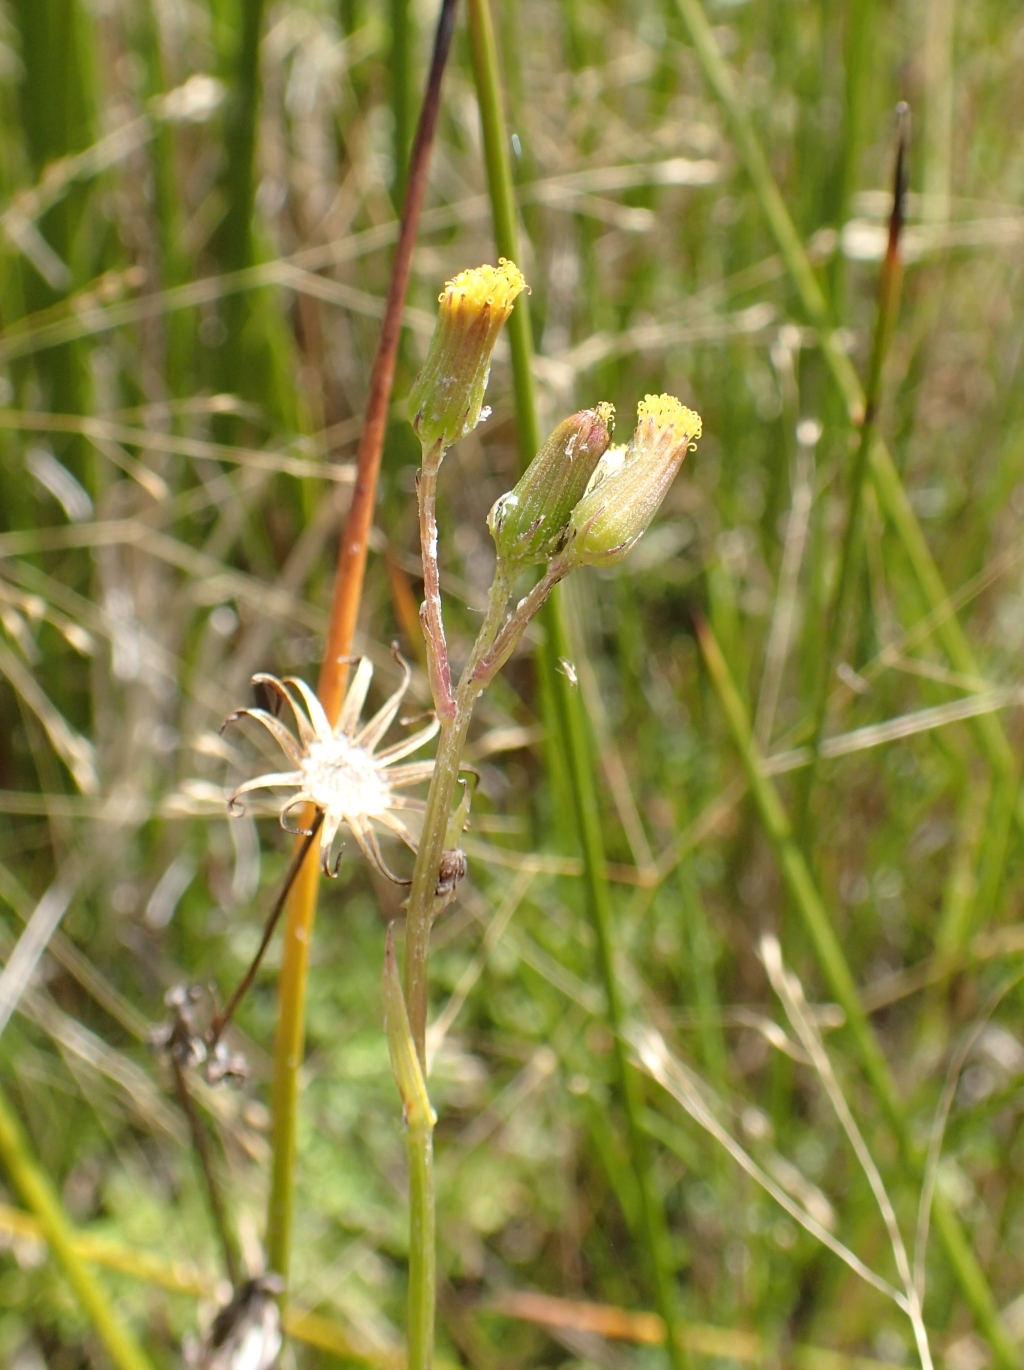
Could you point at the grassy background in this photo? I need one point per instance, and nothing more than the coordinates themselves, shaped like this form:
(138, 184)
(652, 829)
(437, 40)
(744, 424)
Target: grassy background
(198, 213)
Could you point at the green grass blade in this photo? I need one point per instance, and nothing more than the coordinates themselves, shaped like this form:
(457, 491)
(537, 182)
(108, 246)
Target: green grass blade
(40, 1198)
(893, 497)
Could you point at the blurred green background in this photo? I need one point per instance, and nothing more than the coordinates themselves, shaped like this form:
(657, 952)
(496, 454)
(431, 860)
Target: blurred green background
(198, 204)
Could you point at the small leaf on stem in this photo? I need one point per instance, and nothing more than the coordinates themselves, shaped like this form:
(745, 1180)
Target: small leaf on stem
(405, 1065)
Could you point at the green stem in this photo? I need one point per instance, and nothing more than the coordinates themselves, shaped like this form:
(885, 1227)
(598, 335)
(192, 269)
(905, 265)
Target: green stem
(420, 1118)
(425, 876)
(234, 239)
(439, 806)
(422, 1247)
(38, 1195)
(828, 949)
(240, 140)
(422, 896)
(438, 667)
(503, 210)
(503, 213)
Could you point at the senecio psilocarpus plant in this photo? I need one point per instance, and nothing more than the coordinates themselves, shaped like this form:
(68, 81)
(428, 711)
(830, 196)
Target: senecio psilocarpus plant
(581, 502)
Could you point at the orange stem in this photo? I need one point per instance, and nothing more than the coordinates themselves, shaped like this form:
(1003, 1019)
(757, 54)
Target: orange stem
(348, 588)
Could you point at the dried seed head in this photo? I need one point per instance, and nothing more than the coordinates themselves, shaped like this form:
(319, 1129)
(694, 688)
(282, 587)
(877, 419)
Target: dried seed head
(447, 396)
(338, 769)
(528, 523)
(629, 484)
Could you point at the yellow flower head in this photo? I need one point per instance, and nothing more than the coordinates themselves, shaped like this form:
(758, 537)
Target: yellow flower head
(447, 397)
(484, 287)
(629, 483)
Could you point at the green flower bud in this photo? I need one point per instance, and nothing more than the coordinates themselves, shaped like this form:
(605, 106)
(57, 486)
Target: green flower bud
(629, 484)
(447, 397)
(528, 523)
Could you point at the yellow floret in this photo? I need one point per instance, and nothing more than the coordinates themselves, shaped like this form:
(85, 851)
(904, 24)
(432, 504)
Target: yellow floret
(666, 411)
(482, 287)
(606, 413)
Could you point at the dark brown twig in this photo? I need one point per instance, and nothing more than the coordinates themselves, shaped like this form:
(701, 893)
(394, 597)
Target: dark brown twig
(224, 1017)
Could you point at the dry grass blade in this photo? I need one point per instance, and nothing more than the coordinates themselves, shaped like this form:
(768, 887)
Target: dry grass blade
(790, 991)
(39, 929)
(658, 1062)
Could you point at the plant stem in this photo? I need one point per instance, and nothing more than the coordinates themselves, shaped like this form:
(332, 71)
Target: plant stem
(439, 807)
(422, 1247)
(222, 1019)
(888, 305)
(213, 1192)
(500, 188)
(235, 235)
(39, 1196)
(834, 966)
(503, 210)
(438, 666)
(422, 897)
(348, 588)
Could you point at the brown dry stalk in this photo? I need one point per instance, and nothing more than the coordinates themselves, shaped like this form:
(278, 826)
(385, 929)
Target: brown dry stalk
(348, 588)
(348, 585)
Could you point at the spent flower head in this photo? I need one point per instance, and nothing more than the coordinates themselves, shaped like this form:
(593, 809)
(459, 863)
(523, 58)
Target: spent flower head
(528, 523)
(630, 483)
(447, 396)
(339, 770)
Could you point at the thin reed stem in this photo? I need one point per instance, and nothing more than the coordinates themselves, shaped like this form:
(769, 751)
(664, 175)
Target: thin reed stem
(348, 586)
(835, 968)
(487, 77)
(40, 1198)
(235, 235)
(888, 306)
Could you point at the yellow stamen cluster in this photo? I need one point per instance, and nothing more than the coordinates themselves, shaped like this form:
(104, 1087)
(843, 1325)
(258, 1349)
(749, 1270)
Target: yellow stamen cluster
(628, 485)
(447, 398)
(484, 287)
(669, 418)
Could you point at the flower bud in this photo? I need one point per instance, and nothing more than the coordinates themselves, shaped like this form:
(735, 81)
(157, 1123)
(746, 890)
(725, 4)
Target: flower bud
(629, 484)
(528, 523)
(448, 394)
